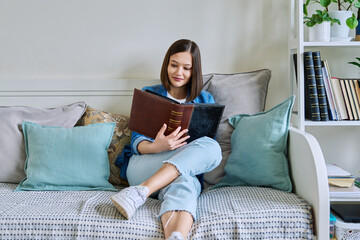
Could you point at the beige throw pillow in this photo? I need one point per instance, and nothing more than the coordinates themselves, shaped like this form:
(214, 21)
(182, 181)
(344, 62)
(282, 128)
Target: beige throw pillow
(121, 137)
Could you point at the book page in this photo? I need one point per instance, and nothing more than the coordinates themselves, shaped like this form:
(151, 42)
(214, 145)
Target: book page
(342, 182)
(335, 171)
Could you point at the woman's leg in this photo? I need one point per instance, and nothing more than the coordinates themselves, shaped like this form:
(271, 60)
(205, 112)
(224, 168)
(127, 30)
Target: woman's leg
(200, 156)
(146, 174)
(177, 221)
(149, 170)
(178, 209)
(163, 177)
(151, 174)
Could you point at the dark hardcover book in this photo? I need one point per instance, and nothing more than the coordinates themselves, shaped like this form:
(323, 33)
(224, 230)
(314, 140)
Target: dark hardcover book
(295, 66)
(149, 111)
(312, 110)
(323, 103)
(349, 213)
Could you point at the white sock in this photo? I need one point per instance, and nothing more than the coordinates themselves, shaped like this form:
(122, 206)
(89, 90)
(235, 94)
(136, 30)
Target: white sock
(144, 189)
(176, 236)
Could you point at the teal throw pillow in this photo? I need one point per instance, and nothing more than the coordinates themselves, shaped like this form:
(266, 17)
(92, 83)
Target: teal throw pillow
(66, 159)
(259, 149)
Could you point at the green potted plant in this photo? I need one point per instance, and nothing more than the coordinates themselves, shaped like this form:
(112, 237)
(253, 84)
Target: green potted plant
(346, 16)
(318, 18)
(319, 22)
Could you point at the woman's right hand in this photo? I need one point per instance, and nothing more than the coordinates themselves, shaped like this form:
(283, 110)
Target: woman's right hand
(163, 143)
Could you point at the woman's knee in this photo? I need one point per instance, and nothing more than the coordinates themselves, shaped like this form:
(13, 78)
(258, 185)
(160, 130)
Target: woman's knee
(211, 147)
(141, 167)
(207, 144)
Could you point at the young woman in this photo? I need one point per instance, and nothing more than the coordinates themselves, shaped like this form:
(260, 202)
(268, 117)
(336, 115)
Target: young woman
(168, 165)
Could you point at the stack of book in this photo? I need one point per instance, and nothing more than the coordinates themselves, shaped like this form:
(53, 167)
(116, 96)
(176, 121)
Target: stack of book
(357, 182)
(326, 97)
(349, 98)
(341, 183)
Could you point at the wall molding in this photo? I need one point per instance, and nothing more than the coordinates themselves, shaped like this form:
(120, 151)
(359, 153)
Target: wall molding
(113, 95)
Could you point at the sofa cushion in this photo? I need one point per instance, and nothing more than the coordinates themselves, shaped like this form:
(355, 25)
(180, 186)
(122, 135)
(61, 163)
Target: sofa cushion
(241, 93)
(12, 150)
(259, 149)
(224, 213)
(61, 159)
(121, 137)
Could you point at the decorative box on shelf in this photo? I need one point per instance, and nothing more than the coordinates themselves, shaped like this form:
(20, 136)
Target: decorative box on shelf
(346, 231)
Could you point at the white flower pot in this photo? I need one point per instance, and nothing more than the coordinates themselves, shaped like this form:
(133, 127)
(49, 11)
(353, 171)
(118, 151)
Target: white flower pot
(320, 32)
(340, 31)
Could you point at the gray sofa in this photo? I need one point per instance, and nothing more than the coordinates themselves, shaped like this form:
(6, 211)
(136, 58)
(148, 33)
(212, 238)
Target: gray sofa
(230, 212)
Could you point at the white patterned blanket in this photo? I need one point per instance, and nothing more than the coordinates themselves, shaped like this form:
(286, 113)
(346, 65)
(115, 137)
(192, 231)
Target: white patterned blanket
(226, 213)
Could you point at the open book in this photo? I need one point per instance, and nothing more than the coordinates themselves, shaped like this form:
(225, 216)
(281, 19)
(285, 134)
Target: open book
(149, 111)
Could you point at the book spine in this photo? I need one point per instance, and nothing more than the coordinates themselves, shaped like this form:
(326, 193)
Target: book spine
(357, 89)
(332, 89)
(346, 99)
(332, 111)
(323, 104)
(327, 78)
(355, 98)
(339, 99)
(312, 110)
(351, 100)
(180, 116)
(357, 182)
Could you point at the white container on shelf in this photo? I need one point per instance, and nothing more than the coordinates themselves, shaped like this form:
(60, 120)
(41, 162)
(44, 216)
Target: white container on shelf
(346, 231)
(341, 31)
(320, 32)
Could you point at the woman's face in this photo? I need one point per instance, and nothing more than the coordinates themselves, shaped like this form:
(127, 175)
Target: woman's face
(180, 69)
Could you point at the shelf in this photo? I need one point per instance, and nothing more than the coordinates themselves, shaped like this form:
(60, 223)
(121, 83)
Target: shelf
(293, 44)
(351, 194)
(347, 200)
(331, 123)
(332, 44)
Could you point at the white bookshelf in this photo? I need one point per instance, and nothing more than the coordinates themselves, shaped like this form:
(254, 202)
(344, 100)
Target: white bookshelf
(298, 45)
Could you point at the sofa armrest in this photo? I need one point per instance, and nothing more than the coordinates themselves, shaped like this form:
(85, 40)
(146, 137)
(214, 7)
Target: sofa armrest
(308, 172)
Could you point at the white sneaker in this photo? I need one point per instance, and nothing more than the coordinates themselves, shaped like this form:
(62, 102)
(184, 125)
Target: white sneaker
(176, 236)
(129, 199)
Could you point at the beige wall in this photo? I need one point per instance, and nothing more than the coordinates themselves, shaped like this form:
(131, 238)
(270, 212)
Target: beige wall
(128, 38)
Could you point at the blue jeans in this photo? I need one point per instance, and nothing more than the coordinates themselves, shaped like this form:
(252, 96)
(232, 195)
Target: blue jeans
(200, 156)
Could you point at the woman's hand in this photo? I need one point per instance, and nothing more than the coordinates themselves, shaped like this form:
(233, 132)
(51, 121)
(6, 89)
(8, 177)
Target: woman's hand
(163, 143)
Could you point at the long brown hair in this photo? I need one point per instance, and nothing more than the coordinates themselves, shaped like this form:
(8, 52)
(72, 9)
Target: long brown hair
(196, 82)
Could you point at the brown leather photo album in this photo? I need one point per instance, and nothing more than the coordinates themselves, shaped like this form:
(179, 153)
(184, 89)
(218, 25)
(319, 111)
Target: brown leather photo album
(149, 111)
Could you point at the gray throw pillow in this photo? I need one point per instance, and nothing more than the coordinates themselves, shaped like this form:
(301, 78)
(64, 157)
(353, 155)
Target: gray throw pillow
(12, 148)
(241, 93)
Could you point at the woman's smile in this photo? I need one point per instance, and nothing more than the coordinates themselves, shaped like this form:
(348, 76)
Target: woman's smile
(178, 79)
